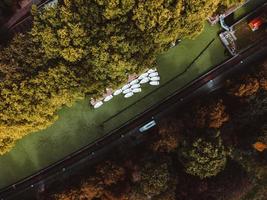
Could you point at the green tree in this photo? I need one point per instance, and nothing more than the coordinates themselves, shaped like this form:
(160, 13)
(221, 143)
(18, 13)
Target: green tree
(204, 158)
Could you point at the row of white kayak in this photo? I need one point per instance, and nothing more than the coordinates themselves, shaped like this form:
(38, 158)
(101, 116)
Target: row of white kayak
(133, 87)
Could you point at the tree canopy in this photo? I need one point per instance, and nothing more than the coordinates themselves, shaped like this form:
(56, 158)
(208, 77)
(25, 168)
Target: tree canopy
(204, 158)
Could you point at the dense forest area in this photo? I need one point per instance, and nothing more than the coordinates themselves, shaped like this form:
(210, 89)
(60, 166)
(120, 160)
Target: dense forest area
(81, 47)
(215, 148)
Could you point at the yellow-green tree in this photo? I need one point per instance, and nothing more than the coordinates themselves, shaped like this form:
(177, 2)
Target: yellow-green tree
(204, 158)
(30, 105)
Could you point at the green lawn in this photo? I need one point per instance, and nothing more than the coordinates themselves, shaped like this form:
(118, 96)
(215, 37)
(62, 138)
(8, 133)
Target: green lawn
(80, 125)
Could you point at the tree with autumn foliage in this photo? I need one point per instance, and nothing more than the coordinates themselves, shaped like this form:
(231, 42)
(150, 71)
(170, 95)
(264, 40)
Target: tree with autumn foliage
(247, 87)
(262, 76)
(111, 173)
(211, 115)
(249, 84)
(169, 135)
(154, 179)
(261, 142)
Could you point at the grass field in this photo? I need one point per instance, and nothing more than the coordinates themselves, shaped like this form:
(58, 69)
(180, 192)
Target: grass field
(80, 125)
